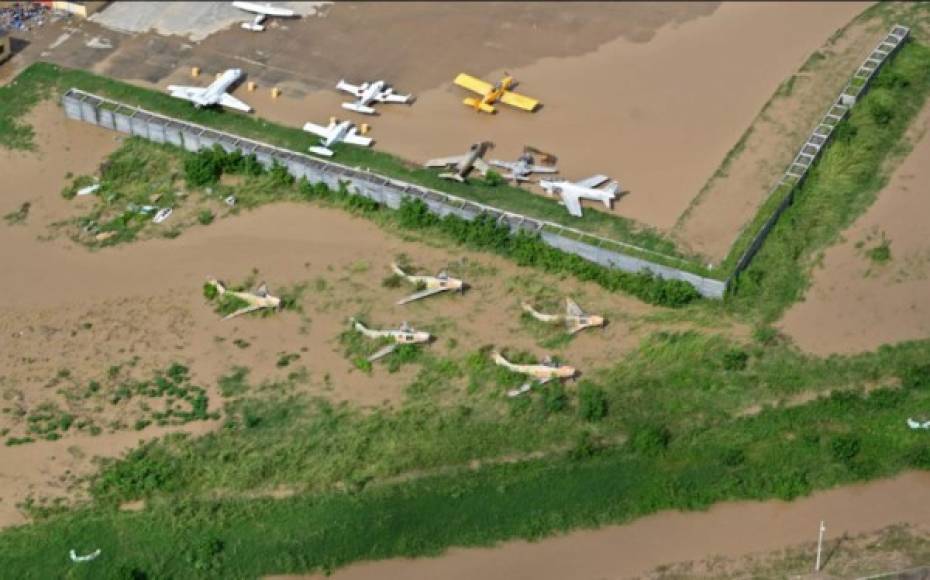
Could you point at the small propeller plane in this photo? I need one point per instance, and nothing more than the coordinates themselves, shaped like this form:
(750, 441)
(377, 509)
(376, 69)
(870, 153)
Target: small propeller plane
(334, 133)
(572, 192)
(368, 93)
(490, 94)
(539, 374)
(463, 163)
(262, 11)
(255, 300)
(575, 318)
(441, 282)
(215, 94)
(525, 165)
(403, 335)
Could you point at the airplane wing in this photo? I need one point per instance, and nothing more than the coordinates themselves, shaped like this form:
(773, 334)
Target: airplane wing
(481, 166)
(421, 294)
(383, 352)
(543, 169)
(571, 203)
(472, 84)
(572, 308)
(504, 164)
(243, 310)
(188, 93)
(356, 139)
(443, 161)
(519, 101)
(592, 181)
(323, 132)
(232, 102)
(349, 88)
(393, 98)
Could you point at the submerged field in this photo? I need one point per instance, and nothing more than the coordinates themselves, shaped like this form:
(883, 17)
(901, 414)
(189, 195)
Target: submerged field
(306, 458)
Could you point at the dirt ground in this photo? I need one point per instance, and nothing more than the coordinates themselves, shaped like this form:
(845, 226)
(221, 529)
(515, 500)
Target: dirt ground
(632, 90)
(856, 304)
(731, 529)
(68, 309)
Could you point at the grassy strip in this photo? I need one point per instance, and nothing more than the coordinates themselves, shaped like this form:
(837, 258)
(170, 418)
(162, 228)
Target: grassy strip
(841, 185)
(41, 78)
(781, 454)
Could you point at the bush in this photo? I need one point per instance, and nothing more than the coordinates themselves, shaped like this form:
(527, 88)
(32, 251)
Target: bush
(735, 359)
(554, 398)
(205, 217)
(494, 178)
(203, 168)
(592, 402)
(916, 377)
(845, 447)
(650, 440)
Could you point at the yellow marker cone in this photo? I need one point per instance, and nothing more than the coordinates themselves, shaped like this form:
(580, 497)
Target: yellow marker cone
(363, 128)
(250, 86)
(275, 92)
(195, 71)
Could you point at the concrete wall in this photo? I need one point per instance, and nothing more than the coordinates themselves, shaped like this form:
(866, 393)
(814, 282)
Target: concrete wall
(820, 136)
(96, 110)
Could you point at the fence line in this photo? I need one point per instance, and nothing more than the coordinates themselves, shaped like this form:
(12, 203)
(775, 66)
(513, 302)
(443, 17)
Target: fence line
(819, 138)
(83, 106)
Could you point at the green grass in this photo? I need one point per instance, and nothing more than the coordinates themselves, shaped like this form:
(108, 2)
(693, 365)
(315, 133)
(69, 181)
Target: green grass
(19, 216)
(840, 187)
(43, 79)
(786, 453)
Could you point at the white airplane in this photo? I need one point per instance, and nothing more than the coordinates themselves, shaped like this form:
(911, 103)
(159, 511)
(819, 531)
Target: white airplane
(572, 192)
(539, 374)
(368, 93)
(334, 133)
(262, 12)
(406, 334)
(215, 94)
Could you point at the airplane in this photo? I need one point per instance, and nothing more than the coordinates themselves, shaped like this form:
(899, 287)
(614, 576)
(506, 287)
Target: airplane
(521, 169)
(572, 192)
(493, 93)
(574, 318)
(463, 163)
(262, 11)
(539, 374)
(334, 133)
(368, 93)
(441, 282)
(255, 300)
(215, 94)
(403, 335)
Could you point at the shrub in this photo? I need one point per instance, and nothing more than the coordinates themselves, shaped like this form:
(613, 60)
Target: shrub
(916, 377)
(845, 447)
(203, 168)
(650, 439)
(205, 217)
(592, 402)
(494, 178)
(735, 359)
(554, 398)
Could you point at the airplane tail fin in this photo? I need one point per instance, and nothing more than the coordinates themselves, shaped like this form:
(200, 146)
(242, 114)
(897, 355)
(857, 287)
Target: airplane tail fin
(321, 151)
(358, 108)
(612, 188)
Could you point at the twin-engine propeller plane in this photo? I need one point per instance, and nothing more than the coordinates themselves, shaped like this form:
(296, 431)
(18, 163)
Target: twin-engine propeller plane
(215, 94)
(368, 93)
(490, 94)
(334, 133)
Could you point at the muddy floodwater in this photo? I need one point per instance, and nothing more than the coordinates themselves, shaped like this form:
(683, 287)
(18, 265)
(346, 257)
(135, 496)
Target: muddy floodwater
(730, 529)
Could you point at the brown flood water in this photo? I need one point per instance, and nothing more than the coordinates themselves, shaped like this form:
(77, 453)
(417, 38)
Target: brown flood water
(731, 529)
(658, 116)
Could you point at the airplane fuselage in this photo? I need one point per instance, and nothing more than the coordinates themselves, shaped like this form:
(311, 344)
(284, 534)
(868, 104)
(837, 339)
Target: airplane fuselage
(560, 187)
(541, 371)
(495, 93)
(371, 91)
(217, 88)
(341, 130)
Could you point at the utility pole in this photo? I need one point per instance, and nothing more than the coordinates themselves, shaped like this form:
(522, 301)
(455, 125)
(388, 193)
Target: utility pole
(823, 529)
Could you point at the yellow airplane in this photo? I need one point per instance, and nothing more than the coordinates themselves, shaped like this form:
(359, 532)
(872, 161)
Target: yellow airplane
(492, 93)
